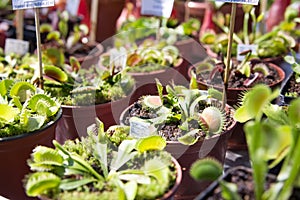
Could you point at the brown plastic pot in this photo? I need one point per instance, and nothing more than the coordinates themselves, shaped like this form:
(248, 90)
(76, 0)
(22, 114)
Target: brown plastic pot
(14, 152)
(192, 51)
(215, 147)
(76, 119)
(238, 139)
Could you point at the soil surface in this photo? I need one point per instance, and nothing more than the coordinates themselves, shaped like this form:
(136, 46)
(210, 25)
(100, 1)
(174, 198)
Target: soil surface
(170, 131)
(292, 88)
(243, 178)
(238, 80)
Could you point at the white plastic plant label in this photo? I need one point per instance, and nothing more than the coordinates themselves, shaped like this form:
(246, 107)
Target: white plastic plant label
(27, 4)
(253, 2)
(245, 47)
(139, 128)
(161, 8)
(19, 47)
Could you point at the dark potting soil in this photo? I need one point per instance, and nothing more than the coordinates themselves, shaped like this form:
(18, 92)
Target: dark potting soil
(238, 80)
(243, 178)
(170, 131)
(292, 88)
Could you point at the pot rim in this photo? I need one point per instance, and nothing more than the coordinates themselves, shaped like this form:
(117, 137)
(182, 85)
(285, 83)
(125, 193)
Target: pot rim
(178, 179)
(280, 72)
(46, 126)
(101, 104)
(121, 119)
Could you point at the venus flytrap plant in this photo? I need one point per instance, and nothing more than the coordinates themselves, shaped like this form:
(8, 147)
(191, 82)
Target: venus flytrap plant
(24, 108)
(196, 113)
(272, 134)
(95, 167)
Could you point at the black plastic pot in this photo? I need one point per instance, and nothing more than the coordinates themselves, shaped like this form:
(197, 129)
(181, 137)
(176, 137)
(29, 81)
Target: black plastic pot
(213, 190)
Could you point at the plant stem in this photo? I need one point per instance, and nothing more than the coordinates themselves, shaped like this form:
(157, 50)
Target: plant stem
(229, 48)
(226, 30)
(38, 44)
(245, 28)
(295, 159)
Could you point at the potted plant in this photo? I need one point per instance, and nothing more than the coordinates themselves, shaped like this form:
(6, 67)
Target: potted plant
(86, 94)
(13, 66)
(64, 41)
(28, 117)
(272, 137)
(270, 46)
(242, 77)
(182, 35)
(193, 123)
(98, 167)
(290, 88)
(146, 62)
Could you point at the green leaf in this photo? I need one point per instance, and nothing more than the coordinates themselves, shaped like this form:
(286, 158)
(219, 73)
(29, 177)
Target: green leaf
(5, 86)
(261, 95)
(72, 184)
(159, 88)
(39, 182)
(242, 115)
(35, 123)
(124, 154)
(193, 81)
(229, 191)
(43, 105)
(154, 142)
(46, 156)
(8, 113)
(55, 55)
(63, 28)
(139, 178)
(101, 153)
(22, 90)
(189, 138)
(158, 169)
(130, 189)
(293, 112)
(206, 169)
(53, 35)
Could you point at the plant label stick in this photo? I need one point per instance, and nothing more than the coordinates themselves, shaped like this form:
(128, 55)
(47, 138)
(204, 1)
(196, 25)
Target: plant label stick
(35, 4)
(160, 8)
(94, 18)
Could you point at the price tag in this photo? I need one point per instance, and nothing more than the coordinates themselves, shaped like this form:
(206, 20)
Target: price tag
(161, 8)
(253, 2)
(26, 4)
(72, 6)
(139, 128)
(19, 47)
(245, 47)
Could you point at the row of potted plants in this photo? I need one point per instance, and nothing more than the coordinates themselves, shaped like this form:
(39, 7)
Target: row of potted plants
(197, 120)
